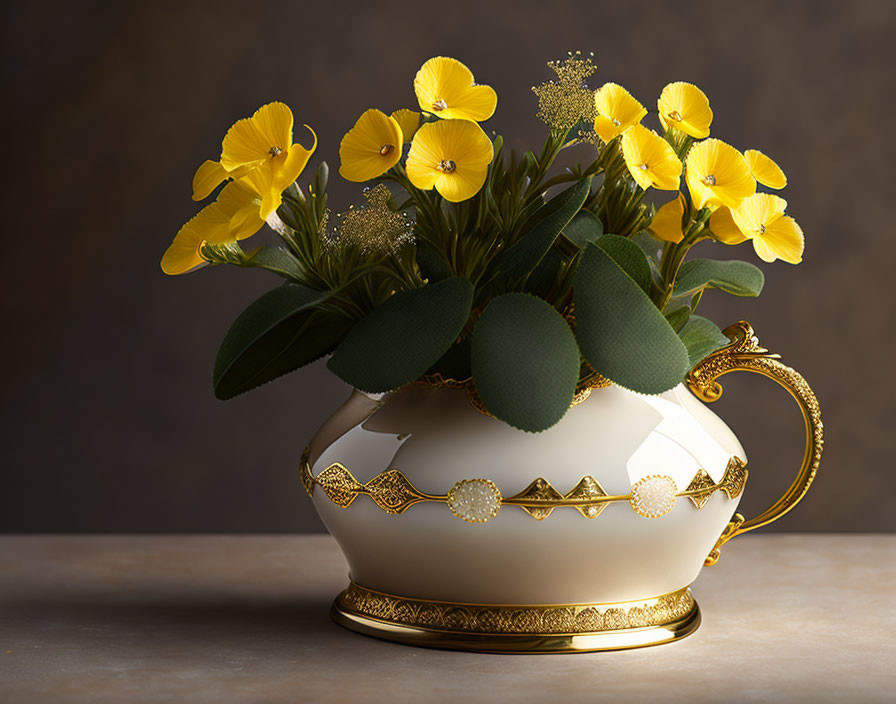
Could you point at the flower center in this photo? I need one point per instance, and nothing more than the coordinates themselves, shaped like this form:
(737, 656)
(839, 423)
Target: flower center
(709, 180)
(643, 166)
(387, 149)
(275, 151)
(762, 229)
(439, 105)
(675, 116)
(615, 122)
(447, 166)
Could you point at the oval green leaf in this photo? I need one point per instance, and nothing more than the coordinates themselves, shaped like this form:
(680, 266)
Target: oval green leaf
(276, 334)
(629, 257)
(702, 337)
(621, 333)
(400, 340)
(542, 229)
(525, 361)
(735, 277)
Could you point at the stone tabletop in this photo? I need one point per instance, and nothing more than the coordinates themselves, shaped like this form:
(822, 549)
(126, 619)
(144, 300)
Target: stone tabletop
(789, 618)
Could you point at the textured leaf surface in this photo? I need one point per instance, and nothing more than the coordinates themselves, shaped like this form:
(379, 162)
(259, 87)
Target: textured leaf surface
(629, 257)
(279, 332)
(546, 224)
(621, 333)
(584, 228)
(401, 339)
(701, 337)
(736, 277)
(525, 361)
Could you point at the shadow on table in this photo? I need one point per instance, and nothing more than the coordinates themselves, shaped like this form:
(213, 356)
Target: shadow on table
(147, 617)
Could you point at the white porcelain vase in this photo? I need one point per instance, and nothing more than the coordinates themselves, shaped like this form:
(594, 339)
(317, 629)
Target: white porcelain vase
(462, 532)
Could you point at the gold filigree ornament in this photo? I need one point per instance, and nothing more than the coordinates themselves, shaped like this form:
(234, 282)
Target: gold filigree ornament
(518, 628)
(746, 354)
(479, 500)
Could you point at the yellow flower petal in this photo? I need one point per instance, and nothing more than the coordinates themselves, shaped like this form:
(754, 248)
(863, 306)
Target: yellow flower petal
(723, 227)
(445, 87)
(667, 223)
(207, 178)
(783, 239)
(409, 121)
(234, 216)
(717, 174)
(371, 147)
(650, 159)
(754, 214)
(255, 139)
(765, 170)
(452, 156)
(685, 107)
(617, 110)
(287, 167)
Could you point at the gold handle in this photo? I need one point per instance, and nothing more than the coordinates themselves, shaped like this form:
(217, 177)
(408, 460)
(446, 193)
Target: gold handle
(745, 354)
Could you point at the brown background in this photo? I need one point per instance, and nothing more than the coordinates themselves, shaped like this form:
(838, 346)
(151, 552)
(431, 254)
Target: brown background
(108, 419)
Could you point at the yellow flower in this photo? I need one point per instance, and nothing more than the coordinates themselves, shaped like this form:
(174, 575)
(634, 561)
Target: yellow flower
(685, 107)
(764, 170)
(617, 110)
(775, 235)
(235, 215)
(371, 147)
(445, 88)
(723, 227)
(718, 174)
(452, 156)
(409, 121)
(261, 143)
(667, 222)
(650, 159)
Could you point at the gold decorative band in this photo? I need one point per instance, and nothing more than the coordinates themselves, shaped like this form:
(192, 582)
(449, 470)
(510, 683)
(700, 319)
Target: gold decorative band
(582, 392)
(478, 500)
(493, 619)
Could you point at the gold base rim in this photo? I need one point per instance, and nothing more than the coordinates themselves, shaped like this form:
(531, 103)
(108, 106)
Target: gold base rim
(517, 643)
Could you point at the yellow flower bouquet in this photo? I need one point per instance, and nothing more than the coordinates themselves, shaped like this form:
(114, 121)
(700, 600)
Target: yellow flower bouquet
(473, 266)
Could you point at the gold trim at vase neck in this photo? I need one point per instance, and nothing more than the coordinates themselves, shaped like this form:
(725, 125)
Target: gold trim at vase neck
(478, 500)
(518, 628)
(581, 394)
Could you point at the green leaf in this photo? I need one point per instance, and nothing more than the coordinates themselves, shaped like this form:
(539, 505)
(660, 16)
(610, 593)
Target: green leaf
(585, 227)
(525, 361)
(678, 317)
(279, 332)
(621, 333)
(739, 278)
(455, 363)
(279, 260)
(399, 340)
(432, 265)
(702, 337)
(545, 274)
(629, 257)
(540, 232)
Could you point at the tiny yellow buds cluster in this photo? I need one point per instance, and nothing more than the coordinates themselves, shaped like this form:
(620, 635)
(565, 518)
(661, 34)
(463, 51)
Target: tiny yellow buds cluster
(375, 228)
(565, 102)
(258, 154)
